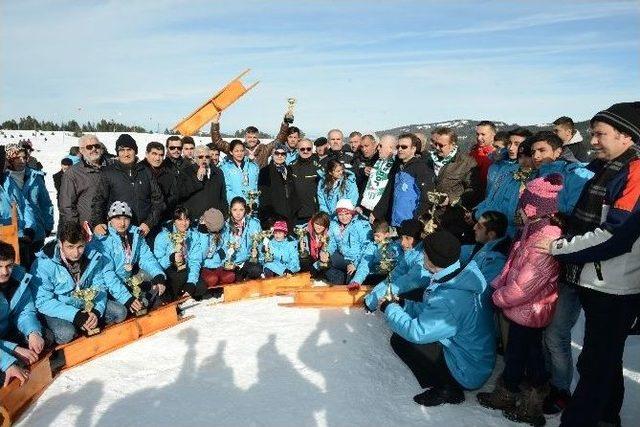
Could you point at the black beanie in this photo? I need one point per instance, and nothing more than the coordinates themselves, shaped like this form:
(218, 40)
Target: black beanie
(126, 141)
(625, 117)
(411, 228)
(442, 248)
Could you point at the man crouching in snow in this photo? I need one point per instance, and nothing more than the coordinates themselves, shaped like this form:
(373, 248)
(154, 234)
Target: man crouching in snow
(447, 340)
(61, 269)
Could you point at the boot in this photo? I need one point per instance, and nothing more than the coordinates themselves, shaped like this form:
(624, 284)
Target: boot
(436, 396)
(556, 401)
(528, 408)
(500, 398)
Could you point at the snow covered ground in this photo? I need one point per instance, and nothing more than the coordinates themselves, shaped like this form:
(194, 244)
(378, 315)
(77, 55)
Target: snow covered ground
(256, 363)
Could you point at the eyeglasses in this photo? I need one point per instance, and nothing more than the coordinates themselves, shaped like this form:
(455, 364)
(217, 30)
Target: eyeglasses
(278, 153)
(304, 149)
(204, 157)
(90, 147)
(175, 147)
(403, 147)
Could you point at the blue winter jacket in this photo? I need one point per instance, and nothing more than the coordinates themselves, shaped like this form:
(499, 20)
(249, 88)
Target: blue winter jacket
(19, 313)
(351, 241)
(35, 192)
(575, 176)
(454, 313)
(163, 249)
(234, 178)
(490, 258)
(285, 256)
(110, 245)
(344, 188)
(243, 252)
(213, 253)
(371, 256)
(498, 168)
(9, 193)
(411, 183)
(54, 285)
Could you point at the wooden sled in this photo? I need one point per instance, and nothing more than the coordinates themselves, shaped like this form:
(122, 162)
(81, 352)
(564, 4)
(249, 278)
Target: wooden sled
(9, 233)
(335, 296)
(14, 399)
(265, 287)
(218, 102)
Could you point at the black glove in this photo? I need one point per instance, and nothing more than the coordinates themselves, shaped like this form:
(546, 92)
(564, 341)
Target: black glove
(366, 308)
(190, 288)
(172, 258)
(80, 319)
(385, 303)
(28, 234)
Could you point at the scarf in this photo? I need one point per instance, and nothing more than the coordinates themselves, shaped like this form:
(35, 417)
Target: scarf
(314, 241)
(282, 170)
(377, 182)
(440, 162)
(237, 227)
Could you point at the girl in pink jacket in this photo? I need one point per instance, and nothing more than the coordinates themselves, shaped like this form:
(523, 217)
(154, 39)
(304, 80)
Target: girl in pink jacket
(526, 291)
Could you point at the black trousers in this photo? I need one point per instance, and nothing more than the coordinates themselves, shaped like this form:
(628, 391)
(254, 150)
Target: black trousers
(600, 390)
(175, 284)
(523, 357)
(426, 362)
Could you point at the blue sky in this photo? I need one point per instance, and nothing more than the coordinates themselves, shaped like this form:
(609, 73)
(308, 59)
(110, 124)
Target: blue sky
(352, 65)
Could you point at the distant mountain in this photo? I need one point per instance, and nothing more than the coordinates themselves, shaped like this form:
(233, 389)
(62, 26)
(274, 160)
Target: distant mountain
(466, 129)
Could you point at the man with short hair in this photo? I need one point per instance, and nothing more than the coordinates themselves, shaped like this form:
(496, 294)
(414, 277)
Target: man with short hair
(338, 151)
(575, 148)
(211, 191)
(378, 177)
(154, 162)
(80, 183)
(188, 145)
(304, 172)
(481, 151)
(65, 164)
(32, 162)
(322, 151)
(255, 150)
(509, 162)
(293, 138)
(215, 156)
(367, 155)
(355, 138)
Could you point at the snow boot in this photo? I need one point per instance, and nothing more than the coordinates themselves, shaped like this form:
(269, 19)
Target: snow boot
(528, 407)
(500, 398)
(435, 396)
(556, 401)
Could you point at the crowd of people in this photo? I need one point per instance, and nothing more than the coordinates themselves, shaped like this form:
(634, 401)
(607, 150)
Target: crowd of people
(469, 254)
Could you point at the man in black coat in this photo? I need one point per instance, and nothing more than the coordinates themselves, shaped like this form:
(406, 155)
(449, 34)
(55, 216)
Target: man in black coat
(212, 192)
(366, 157)
(127, 181)
(278, 198)
(305, 180)
(65, 164)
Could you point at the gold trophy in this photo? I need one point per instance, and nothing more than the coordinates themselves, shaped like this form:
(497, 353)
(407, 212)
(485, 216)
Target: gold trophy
(177, 239)
(134, 283)
(87, 296)
(386, 262)
(255, 242)
(389, 296)
(268, 256)
(252, 196)
(302, 246)
(288, 117)
(245, 178)
(436, 199)
(228, 262)
(324, 239)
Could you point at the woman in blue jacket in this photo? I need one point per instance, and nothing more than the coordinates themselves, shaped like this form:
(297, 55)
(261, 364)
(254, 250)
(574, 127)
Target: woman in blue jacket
(284, 253)
(240, 173)
(337, 184)
(447, 339)
(213, 252)
(237, 240)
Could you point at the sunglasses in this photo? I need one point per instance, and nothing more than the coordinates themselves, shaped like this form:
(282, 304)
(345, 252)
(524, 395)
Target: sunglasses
(403, 147)
(204, 157)
(90, 147)
(175, 147)
(304, 149)
(278, 153)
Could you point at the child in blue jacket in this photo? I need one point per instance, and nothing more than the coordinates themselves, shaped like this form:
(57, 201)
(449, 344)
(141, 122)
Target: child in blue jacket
(337, 184)
(284, 253)
(213, 252)
(370, 271)
(237, 240)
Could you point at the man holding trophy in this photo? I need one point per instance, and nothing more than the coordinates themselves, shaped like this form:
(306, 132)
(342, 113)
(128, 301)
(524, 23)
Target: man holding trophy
(71, 287)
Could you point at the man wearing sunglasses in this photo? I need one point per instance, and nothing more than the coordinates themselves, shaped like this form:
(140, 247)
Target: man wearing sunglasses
(212, 188)
(79, 183)
(278, 198)
(305, 179)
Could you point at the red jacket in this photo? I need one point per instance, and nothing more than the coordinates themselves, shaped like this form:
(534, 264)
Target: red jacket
(481, 155)
(527, 288)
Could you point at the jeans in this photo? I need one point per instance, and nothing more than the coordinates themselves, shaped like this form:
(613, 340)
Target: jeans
(64, 331)
(557, 337)
(337, 272)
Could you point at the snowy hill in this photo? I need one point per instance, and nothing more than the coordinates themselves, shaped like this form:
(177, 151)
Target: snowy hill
(256, 363)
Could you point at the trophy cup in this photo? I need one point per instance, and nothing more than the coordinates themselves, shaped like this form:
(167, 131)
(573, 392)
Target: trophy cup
(389, 296)
(324, 239)
(177, 239)
(245, 178)
(252, 196)
(302, 246)
(436, 199)
(228, 262)
(134, 283)
(87, 296)
(386, 262)
(288, 117)
(268, 256)
(255, 241)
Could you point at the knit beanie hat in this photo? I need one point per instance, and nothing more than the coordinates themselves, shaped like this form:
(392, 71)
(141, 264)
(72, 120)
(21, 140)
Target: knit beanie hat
(411, 228)
(345, 205)
(625, 117)
(119, 208)
(442, 248)
(126, 141)
(13, 150)
(539, 197)
(213, 220)
(280, 226)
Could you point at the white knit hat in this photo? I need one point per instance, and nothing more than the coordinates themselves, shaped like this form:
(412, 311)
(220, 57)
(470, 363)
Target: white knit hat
(119, 209)
(345, 204)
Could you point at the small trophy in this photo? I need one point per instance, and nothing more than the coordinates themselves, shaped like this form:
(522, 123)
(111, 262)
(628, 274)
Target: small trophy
(324, 240)
(245, 178)
(436, 199)
(386, 262)
(302, 245)
(268, 255)
(288, 117)
(177, 239)
(252, 196)
(87, 296)
(228, 262)
(389, 296)
(134, 283)
(255, 242)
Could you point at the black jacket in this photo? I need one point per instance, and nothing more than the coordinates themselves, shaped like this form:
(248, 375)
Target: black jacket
(211, 194)
(305, 179)
(57, 181)
(278, 197)
(360, 163)
(136, 186)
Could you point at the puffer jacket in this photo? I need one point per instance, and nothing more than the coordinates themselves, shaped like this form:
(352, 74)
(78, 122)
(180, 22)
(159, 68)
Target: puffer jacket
(19, 313)
(164, 250)
(351, 240)
(35, 192)
(371, 257)
(454, 313)
(527, 288)
(244, 241)
(344, 188)
(285, 256)
(213, 252)
(10, 193)
(234, 178)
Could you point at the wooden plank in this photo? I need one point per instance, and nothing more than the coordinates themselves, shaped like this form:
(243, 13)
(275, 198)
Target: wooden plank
(157, 320)
(14, 399)
(283, 285)
(336, 296)
(9, 233)
(265, 287)
(240, 291)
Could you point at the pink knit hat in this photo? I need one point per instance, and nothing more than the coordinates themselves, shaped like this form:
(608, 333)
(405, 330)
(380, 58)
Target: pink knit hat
(280, 226)
(540, 197)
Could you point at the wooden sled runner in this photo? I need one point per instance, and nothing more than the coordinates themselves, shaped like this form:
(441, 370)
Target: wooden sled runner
(322, 297)
(266, 287)
(218, 102)
(9, 233)
(14, 399)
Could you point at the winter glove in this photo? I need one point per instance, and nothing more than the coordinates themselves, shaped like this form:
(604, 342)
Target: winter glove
(353, 286)
(28, 234)
(80, 319)
(386, 302)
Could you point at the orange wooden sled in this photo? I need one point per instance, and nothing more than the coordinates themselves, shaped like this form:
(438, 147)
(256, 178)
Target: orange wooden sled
(328, 297)
(266, 287)
(9, 233)
(218, 102)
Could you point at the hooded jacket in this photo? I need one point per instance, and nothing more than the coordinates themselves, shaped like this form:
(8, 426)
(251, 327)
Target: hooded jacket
(344, 188)
(351, 240)
(285, 256)
(9, 194)
(35, 192)
(234, 177)
(164, 250)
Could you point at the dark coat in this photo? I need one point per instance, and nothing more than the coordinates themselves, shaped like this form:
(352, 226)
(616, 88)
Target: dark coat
(360, 164)
(305, 179)
(136, 186)
(77, 190)
(57, 182)
(278, 197)
(212, 193)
